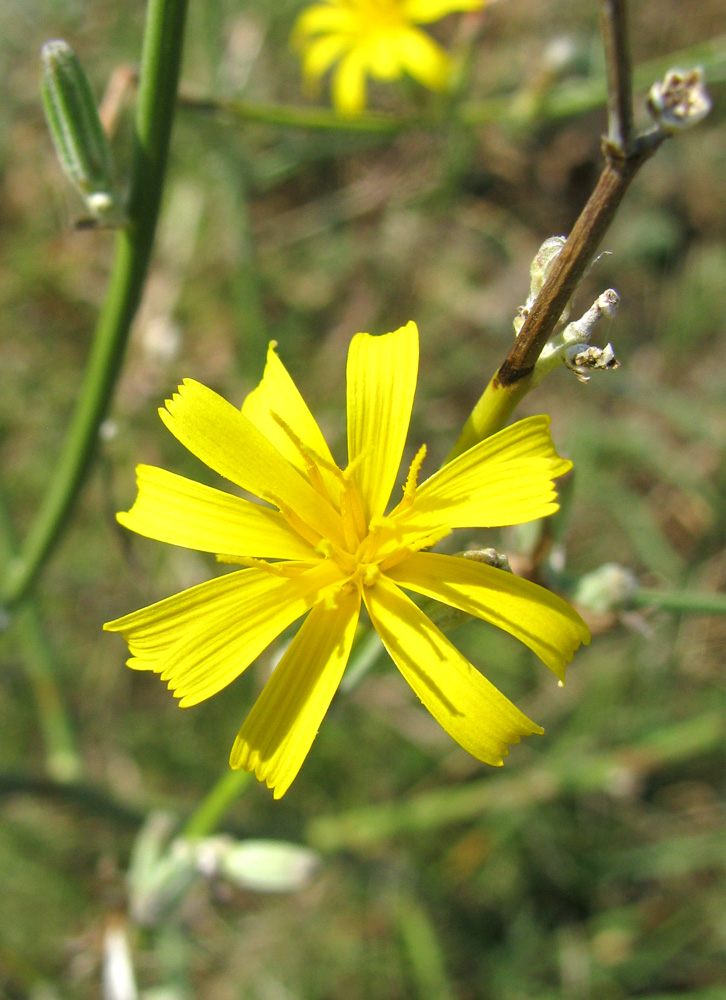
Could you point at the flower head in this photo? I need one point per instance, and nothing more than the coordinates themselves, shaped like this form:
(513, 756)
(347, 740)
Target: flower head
(373, 37)
(324, 545)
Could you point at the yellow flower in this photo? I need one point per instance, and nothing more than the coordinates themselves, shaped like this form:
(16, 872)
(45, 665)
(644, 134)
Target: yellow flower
(325, 544)
(376, 37)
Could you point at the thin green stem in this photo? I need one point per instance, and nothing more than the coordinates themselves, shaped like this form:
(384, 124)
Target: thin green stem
(491, 413)
(62, 760)
(423, 947)
(690, 602)
(294, 116)
(209, 813)
(160, 62)
(92, 800)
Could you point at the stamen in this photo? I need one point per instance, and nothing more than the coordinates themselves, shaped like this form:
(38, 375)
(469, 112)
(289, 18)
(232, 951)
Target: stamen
(285, 568)
(313, 462)
(409, 490)
(297, 524)
(351, 507)
(329, 550)
(331, 597)
(415, 544)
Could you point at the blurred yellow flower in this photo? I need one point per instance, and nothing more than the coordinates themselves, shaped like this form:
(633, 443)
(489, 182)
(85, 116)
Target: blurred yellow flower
(325, 544)
(373, 37)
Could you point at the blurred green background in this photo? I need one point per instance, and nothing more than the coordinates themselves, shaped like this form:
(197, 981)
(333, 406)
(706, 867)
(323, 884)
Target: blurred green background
(593, 865)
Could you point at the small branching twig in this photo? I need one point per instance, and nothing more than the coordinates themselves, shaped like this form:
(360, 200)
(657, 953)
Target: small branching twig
(676, 103)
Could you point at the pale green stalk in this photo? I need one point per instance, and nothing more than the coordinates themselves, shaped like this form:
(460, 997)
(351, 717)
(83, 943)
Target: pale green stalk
(209, 813)
(690, 602)
(160, 62)
(62, 761)
(423, 947)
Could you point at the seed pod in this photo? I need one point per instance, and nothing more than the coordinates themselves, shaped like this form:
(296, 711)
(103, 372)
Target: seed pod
(78, 136)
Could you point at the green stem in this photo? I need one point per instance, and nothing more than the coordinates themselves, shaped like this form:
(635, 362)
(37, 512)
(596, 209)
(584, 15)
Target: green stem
(62, 761)
(92, 800)
(688, 601)
(294, 116)
(497, 403)
(209, 813)
(492, 411)
(160, 62)
(423, 947)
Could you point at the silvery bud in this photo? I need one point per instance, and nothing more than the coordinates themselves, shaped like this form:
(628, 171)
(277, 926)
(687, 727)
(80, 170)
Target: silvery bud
(80, 142)
(542, 264)
(538, 273)
(680, 100)
(606, 589)
(267, 865)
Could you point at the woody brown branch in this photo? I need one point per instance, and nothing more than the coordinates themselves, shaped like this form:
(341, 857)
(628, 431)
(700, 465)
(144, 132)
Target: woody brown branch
(623, 159)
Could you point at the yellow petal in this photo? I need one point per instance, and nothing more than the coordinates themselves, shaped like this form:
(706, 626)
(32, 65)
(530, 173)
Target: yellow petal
(202, 639)
(462, 701)
(321, 53)
(541, 620)
(225, 440)
(427, 11)
(177, 510)
(277, 396)
(506, 479)
(348, 86)
(381, 378)
(279, 731)
(422, 58)
(323, 19)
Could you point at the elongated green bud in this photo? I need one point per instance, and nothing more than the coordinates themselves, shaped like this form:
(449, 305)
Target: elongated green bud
(78, 136)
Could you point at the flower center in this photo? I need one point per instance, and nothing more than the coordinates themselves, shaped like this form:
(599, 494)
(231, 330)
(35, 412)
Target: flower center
(361, 549)
(358, 558)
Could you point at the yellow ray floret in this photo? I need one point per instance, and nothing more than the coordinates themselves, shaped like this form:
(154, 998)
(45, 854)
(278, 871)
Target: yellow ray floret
(320, 541)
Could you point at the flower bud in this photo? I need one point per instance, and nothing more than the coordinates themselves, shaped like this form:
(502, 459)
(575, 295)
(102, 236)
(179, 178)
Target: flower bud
(538, 273)
(606, 588)
(679, 100)
(75, 127)
(583, 360)
(267, 865)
